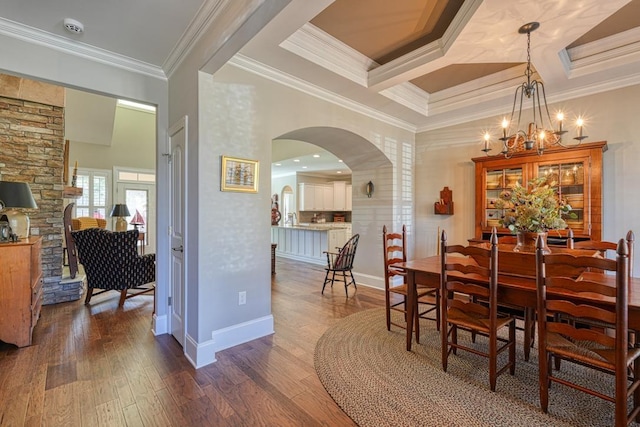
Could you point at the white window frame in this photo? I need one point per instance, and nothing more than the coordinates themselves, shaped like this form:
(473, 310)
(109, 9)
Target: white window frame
(91, 173)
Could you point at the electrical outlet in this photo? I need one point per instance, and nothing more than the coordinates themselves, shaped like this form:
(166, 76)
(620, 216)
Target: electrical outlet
(242, 298)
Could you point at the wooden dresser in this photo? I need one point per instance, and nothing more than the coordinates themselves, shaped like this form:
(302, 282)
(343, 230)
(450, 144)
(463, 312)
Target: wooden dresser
(20, 290)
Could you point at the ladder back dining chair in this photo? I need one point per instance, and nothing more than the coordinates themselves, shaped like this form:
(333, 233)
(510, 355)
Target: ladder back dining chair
(469, 301)
(602, 349)
(395, 285)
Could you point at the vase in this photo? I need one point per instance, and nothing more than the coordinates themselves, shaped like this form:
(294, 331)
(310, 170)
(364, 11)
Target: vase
(526, 242)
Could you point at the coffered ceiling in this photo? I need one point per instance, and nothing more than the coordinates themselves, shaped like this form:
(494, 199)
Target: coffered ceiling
(429, 63)
(418, 64)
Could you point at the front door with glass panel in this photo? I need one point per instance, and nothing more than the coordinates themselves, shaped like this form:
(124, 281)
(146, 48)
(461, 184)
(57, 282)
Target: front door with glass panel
(140, 200)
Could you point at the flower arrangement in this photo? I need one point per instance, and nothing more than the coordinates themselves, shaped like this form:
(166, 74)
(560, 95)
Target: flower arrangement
(535, 208)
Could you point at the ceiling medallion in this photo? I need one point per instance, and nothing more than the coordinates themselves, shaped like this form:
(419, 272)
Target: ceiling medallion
(539, 133)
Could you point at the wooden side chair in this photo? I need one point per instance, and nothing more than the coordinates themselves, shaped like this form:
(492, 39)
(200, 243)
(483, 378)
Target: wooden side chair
(342, 263)
(70, 244)
(463, 282)
(606, 249)
(395, 252)
(525, 314)
(591, 347)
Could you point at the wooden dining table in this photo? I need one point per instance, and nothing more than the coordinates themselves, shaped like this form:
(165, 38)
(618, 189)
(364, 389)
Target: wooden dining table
(516, 283)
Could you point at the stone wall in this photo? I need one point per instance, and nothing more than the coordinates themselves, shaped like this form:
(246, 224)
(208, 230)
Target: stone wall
(32, 150)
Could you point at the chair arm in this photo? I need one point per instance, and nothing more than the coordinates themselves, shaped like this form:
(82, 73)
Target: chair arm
(144, 270)
(331, 258)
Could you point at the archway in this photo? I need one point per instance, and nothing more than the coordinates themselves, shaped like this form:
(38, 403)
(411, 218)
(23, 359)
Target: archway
(367, 163)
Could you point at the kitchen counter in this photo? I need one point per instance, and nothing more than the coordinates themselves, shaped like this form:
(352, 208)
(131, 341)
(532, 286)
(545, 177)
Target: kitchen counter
(308, 242)
(318, 226)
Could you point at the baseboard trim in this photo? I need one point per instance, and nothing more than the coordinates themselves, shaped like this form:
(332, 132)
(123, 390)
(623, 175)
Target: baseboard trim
(199, 354)
(243, 332)
(368, 280)
(202, 354)
(160, 325)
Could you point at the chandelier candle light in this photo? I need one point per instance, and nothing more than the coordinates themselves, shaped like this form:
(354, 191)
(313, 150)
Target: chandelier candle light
(540, 130)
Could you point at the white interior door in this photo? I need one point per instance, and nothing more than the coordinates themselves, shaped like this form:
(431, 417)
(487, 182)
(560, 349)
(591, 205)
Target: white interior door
(177, 188)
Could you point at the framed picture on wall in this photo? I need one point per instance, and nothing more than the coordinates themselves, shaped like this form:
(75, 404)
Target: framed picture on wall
(239, 175)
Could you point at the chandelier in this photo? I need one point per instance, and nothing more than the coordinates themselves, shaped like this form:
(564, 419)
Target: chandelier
(539, 133)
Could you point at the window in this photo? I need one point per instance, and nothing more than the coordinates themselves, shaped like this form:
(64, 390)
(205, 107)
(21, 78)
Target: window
(95, 193)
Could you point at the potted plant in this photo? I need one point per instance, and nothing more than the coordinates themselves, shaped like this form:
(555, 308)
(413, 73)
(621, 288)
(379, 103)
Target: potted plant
(531, 211)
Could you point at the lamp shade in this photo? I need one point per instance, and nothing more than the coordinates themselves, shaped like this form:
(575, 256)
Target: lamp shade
(120, 210)
(16, 195)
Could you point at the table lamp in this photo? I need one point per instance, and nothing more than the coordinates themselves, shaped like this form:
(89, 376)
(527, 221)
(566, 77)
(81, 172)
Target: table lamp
(120, 211)
(17, 195)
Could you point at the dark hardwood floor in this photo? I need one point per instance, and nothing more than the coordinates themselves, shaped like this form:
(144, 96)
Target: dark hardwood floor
(102, 366)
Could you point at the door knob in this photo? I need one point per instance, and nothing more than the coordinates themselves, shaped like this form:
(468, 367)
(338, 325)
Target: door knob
(180, 249)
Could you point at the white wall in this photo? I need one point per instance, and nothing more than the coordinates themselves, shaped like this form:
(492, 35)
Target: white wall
(133, 143)
(234, 24)
(240, 115)
(612, 117)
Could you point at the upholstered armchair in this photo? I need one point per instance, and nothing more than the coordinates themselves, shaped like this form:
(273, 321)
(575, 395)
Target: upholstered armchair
(84, 222)
(112, 263)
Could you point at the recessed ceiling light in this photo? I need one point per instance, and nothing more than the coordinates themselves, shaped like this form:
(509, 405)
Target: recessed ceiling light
(340, 161)
(339, 172)
(304, 167)
(296, 160)
(316, 155)
(278, 164)
(73, 26)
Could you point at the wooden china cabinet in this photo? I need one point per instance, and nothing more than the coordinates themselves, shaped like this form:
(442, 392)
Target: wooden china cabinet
(575, 173)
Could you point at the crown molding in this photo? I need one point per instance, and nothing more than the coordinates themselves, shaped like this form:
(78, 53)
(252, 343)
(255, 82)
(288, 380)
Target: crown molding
(32, 35)
(459, 22)
(205, 16)
(391, 73)
(409, 95)
(387, 75)
(446, 120)
(601, 55)
(262, 70)
(610, 43)
(317, 46)
(500, 85)
(313, 44)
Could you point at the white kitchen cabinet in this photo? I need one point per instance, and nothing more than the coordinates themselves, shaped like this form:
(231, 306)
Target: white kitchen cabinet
(339, 195)
(318, 192)
(315, 197)
(310, 197)
(327, 198)
(348, 195)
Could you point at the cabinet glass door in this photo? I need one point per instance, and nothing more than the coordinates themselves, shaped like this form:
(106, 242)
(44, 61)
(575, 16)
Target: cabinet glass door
(568, 180)
(497, 181)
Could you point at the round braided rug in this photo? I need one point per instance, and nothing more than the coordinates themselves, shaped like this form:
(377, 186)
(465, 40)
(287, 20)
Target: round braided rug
(371, 376)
